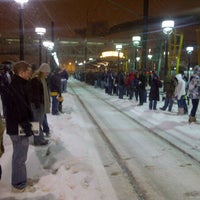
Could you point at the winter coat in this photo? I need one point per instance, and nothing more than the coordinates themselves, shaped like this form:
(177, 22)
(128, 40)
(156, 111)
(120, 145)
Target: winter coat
(130, 78)
(64, 74)
(18, 107)
(37, 92)
(55, 84)
(135, 83)
(36, 95)
(155, 84)
(142, 81)
(194, 84)
(169, 86)
(121, 79)
(180, 87)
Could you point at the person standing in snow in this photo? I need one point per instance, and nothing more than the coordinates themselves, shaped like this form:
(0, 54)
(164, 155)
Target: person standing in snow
(194, 92)
(169, 87)
(55, 89)
(142, 88)
(40, 99)
(154, 96)
(130, 85)
(18, 116)
(180, 94)
(64, 77)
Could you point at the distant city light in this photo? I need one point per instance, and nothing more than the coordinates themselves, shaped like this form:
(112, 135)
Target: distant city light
(112, 54)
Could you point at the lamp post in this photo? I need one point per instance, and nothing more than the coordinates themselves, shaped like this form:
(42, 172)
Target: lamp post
(40, 31)
(21, 28)
(150, 58)
(167, 27)
(118, 48)
(189, 50)
(49, 46)
(136, 43)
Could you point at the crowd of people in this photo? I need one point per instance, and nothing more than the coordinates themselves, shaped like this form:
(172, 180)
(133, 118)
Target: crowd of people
(134, 85)
(27, 94)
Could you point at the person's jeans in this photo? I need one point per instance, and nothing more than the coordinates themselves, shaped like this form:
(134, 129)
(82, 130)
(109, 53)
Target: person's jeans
(38, 115)
(64, 85)
(136, 93)
(19, 157)
(152, 104)
(182, 104)
(141, 96)
(168, 103)
(54, 105)
(195, 103)
(45, 124)
(121, 91)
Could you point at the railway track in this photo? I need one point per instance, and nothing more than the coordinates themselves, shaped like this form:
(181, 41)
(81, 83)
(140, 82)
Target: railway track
(144, 191)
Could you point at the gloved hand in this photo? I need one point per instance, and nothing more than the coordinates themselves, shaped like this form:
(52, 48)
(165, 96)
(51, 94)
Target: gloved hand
(26, 126)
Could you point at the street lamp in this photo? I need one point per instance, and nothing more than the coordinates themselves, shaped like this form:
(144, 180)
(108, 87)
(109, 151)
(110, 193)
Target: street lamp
(21, 27)
(150, 59)
(118, 48)
(167, 27)
(136, 43)
(40, 31)
(189, 50)
(49, 46)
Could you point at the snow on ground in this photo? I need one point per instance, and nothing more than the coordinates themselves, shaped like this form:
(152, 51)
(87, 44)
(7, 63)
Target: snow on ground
(69, 168)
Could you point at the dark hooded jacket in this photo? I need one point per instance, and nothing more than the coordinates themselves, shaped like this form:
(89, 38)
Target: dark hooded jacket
(18, 107)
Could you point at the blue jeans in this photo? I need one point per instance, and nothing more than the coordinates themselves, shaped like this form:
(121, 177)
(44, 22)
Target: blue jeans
(38, 115)
(152, 104)
(45, 124)
(64, 85)
(121, 91)
(142, 97)
(195, 103)
(182, 104)
(168, 103)
(19, 157)
(54, 105)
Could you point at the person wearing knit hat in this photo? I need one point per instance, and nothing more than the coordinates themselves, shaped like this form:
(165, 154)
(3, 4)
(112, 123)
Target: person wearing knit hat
(40, 99)
(44, 67)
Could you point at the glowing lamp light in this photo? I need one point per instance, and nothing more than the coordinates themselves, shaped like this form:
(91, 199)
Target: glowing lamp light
(40, 30)
(111, 54)
(189, 49)
(167, 26)
(118, 47)
(138, 59)
(150, 56)
(48, 44)
(136, 40)
(21, 2)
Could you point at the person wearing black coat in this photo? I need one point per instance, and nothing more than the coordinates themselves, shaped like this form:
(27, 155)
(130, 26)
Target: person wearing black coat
(155, 84)
(18, 116)
(55, 90)
(142, 88)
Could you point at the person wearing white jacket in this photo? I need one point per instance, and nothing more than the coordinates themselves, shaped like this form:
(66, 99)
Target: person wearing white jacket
(180, 94)
(194, 92)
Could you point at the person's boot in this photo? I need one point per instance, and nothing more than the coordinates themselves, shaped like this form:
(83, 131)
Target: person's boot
(180, 111)
(192, 119)
(162, 108)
